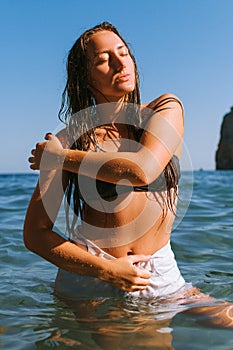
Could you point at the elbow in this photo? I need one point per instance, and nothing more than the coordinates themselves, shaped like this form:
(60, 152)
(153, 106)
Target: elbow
(31, 238)
(146, 179)
(142, 179)
(28, 238)
(147, 170)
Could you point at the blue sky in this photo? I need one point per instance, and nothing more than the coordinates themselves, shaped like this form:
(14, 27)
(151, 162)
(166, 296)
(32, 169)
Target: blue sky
(181, 46)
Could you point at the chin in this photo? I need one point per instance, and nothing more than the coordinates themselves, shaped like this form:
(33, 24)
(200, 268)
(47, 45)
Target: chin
(127, 90)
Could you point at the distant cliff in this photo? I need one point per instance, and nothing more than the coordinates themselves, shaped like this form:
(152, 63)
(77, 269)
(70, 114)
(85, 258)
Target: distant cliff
(224, 153)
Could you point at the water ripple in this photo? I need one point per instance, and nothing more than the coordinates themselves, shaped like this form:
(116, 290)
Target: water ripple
(32, 318)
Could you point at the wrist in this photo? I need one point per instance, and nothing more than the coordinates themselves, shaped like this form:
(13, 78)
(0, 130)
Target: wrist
(105, 271)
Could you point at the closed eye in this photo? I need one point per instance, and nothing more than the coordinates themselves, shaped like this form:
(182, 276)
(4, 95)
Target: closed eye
(123, 51)
(103, 57)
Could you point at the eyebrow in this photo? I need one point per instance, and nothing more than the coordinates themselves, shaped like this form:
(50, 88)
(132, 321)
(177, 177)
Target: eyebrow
(121, 46)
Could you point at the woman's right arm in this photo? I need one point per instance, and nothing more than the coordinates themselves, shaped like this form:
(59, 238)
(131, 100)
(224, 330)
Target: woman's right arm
(40, 238)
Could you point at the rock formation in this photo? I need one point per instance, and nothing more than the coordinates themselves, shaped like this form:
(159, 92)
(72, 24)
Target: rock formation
(224, 153)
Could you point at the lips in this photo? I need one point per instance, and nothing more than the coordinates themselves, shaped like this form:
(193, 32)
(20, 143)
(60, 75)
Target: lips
(122, 78)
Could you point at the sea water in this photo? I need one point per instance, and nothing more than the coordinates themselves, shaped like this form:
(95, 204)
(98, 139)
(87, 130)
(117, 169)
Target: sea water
(31, 317)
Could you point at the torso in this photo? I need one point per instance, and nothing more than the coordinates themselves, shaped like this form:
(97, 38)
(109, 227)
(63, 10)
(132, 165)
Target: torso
(135, 221)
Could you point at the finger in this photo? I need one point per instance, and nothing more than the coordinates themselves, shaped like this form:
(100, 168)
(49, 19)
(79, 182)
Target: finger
(37, 145)
(139, 281)
(33, 151)
(31, 159)
(136, 287)
(139, 258)
(48, 136)
(143, 273)
(34, 167)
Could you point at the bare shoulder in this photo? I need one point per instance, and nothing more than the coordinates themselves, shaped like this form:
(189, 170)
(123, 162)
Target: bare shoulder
(164, 100)
(168, 105)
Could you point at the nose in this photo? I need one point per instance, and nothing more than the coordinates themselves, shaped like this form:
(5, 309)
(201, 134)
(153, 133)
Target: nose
(118, 62)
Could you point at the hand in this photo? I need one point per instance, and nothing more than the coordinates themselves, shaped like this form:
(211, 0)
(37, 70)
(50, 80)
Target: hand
(47, 155)
(124, 274)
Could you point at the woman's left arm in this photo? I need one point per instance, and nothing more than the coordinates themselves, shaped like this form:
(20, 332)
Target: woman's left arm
(161, 137)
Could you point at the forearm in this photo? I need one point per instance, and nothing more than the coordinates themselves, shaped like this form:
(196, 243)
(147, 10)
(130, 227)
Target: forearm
(121, 272)
(112, 166)
(161, 138)
(159, 141)
(64, 254)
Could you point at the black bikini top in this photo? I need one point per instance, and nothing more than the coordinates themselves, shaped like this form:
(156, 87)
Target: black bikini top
(91, 189)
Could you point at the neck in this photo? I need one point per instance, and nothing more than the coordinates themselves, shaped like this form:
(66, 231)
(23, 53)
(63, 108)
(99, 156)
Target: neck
(112, 112)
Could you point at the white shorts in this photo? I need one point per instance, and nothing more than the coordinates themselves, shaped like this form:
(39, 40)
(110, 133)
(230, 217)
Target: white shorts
(166, 279)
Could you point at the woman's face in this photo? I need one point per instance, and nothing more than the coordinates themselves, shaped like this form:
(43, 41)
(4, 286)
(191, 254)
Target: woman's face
(111, 68)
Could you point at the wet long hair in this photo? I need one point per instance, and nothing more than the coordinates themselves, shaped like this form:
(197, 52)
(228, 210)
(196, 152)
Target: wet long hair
(75, 112)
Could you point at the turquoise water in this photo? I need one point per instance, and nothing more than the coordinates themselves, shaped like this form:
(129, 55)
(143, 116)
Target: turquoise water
(33, 318)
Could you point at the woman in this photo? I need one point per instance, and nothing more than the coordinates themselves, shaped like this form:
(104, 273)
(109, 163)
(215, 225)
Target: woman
(118, 163)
